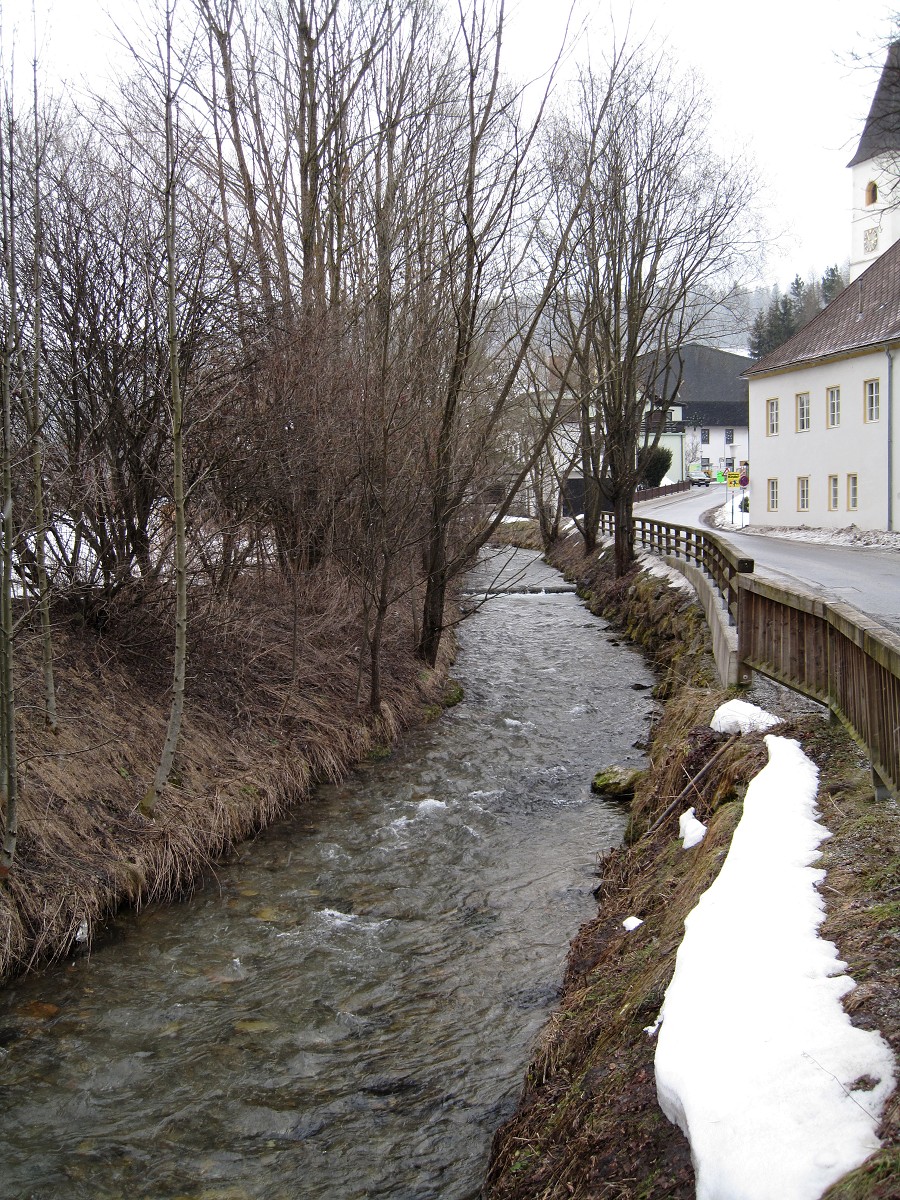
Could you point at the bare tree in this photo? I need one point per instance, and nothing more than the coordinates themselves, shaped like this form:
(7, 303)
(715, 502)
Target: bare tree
(9, 352)
(661, 235)
(34, 415)
(499, 289)
(173, 729)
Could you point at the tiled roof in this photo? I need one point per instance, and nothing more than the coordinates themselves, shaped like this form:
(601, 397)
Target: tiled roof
(711, 384)
(730, 413)
(865, 314)
(881, 134)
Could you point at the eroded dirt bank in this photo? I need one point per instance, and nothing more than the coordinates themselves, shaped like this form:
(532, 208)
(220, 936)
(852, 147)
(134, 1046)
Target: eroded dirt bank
(588, 1125)
(274, 703)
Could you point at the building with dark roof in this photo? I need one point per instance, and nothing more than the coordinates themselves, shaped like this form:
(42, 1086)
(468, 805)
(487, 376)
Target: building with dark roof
(709, 409)
(822, 436)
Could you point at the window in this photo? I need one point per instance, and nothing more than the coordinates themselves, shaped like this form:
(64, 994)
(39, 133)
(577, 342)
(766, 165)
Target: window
(772, 418)
(704, 437)
(803, 412)
(729, 437)
(803, 493)
(871, 193)
(834, 407)
(832, 493)
(772, 493)
(873, 399)
(852, 492)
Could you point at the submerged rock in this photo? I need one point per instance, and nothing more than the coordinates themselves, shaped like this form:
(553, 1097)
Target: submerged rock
(616, 781)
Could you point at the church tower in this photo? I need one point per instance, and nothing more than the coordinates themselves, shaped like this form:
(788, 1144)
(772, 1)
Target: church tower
(876, 172)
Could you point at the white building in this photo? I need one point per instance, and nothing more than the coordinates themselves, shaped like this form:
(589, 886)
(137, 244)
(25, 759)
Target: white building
(822, 442)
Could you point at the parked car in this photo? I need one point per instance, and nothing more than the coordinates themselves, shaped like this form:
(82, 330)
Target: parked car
(699, 476)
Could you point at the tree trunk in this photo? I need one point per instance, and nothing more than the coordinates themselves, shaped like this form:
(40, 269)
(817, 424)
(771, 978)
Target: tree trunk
(9, 776)
(35, 437)
(624, 537)
(164, 770)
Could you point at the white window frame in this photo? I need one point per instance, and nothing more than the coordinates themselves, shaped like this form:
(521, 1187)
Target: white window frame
(772, 417)
(872, 401)
(852, 492)
(833, 408)
(803, 412)
(833, 493)
(772, 495)
(802, 493)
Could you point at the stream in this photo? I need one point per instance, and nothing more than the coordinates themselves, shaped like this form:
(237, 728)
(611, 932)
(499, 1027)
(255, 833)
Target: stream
(347, 1009)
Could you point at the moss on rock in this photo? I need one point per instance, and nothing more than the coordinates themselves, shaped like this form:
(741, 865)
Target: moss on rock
(617, 781)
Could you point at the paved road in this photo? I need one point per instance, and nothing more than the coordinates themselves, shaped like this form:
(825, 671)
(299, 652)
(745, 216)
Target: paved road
(866, 577)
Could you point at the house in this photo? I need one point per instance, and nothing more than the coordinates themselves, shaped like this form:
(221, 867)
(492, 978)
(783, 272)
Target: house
(703, 419)
(822, 442)
(709, 411)
(821, 412)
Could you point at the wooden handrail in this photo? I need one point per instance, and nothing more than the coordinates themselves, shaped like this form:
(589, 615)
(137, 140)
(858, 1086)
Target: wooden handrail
(824, 649)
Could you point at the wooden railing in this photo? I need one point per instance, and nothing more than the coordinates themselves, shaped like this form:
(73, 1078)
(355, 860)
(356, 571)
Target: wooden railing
(657, 493)
(720, 562)
(833, 653)
(823, 649)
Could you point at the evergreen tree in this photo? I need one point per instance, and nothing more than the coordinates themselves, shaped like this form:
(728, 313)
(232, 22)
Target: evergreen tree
(786, 314)
(833, 282)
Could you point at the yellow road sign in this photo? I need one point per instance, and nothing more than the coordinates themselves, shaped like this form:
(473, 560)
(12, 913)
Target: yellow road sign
(733, 478)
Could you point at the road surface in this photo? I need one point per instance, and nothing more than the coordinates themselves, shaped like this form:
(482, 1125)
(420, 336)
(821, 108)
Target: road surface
(866, 577)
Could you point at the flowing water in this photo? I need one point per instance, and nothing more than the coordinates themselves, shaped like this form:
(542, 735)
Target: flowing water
(347, 1010)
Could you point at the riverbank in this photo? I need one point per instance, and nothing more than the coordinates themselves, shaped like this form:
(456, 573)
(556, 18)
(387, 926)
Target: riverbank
(273, 705)
(588, 1124)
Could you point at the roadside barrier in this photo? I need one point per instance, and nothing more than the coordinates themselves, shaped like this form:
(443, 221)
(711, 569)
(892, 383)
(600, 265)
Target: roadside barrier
(825, 649)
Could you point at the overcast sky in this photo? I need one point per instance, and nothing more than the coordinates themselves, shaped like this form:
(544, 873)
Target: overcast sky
(791, 82)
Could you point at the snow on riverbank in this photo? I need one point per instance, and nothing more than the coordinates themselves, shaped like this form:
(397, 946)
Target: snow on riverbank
(757, 1061)
(728, 518)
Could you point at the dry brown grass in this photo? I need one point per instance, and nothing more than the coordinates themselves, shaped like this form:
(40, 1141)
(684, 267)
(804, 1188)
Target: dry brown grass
(262, 724)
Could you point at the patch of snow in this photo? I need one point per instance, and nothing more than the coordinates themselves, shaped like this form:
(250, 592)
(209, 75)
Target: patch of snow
(690, 830)
(632, 923)
(850, 535)
(756, 1060)
(653, 1030)
(737, 716)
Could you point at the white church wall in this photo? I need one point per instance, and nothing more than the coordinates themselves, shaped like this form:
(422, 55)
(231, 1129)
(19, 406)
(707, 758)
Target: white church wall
(875, 220)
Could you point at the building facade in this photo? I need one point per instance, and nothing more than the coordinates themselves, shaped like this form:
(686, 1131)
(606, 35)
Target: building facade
(822, 439)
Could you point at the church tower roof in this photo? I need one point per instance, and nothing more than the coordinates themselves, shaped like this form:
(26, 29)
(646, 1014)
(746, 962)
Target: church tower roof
(881, 134)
